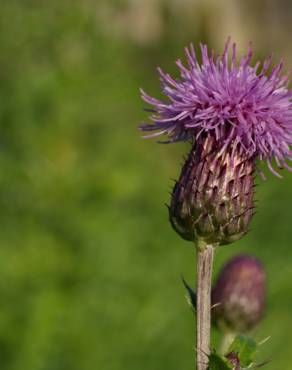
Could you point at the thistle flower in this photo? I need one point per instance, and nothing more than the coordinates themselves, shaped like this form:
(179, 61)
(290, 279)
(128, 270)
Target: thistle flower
(213, 198)
(239, 294)
(236, 103)
(233, 114)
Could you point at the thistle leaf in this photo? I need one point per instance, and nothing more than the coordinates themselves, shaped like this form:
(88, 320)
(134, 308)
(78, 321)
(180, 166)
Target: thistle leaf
(245, 348)
(217, 362)
(192, 296)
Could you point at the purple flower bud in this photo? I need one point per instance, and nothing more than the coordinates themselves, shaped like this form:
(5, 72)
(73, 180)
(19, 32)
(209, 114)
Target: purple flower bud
(239, 294)
(234, 360)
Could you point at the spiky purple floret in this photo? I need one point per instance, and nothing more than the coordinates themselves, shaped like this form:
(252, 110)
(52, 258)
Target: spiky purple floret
(239, 104)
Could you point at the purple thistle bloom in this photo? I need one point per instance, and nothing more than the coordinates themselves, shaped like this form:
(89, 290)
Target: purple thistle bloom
(241, 106)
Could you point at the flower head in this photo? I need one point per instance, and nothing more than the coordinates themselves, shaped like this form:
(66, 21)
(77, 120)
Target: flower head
(239, 294)
(213, 197)
(242, 106)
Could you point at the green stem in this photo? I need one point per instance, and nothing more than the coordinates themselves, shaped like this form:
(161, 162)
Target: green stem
(227, 339)
(204, 279)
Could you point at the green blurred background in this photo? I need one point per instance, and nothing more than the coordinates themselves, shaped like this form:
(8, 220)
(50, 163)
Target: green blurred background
(89, 266)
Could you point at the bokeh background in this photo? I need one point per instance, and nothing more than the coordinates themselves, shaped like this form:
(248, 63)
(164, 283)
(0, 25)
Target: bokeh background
(89, 266)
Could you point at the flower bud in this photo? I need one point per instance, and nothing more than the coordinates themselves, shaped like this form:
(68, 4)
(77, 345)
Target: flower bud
(234, 360)
(213, 198)
(238, 296)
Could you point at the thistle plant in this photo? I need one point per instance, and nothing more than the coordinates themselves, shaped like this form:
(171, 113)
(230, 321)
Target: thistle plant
(233, 114)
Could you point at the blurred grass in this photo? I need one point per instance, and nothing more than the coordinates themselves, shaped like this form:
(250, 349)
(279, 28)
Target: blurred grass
(89, 267)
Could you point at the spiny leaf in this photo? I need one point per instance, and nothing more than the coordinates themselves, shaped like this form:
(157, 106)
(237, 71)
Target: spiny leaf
(217, 362)
(245, 348)
(191, 294)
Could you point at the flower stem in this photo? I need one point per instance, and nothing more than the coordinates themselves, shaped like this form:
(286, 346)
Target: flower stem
(204, 277)
(227, 339)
